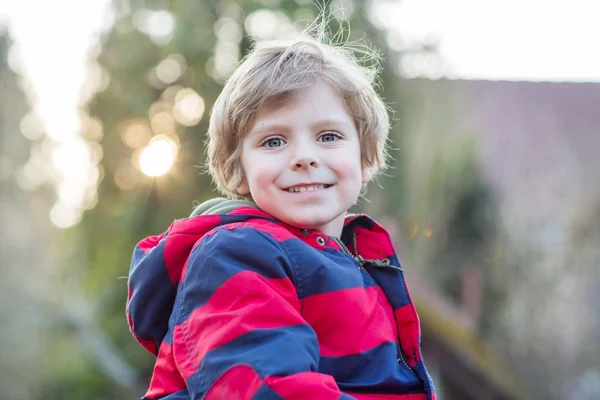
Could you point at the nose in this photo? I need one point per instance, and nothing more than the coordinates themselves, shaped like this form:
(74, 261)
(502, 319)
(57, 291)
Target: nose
(304, 162)
(304, 157)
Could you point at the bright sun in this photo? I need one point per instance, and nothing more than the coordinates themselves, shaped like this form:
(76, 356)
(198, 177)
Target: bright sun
(158, 157)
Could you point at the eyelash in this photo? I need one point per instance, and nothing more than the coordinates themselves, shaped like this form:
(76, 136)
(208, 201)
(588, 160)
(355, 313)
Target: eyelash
(264, 142)
(332, 133)
(335, 134)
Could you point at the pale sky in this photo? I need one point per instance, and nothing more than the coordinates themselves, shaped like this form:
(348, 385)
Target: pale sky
(552, 40)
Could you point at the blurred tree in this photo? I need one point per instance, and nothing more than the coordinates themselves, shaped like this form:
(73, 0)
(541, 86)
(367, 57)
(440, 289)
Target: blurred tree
(24, 237)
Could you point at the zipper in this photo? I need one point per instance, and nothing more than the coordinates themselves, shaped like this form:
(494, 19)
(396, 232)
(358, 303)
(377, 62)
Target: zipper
(384, 263)
(377, 263)
(361, 261)
(401, 358)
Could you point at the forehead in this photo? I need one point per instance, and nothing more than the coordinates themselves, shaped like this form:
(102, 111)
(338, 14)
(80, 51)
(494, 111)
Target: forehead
(316, 105)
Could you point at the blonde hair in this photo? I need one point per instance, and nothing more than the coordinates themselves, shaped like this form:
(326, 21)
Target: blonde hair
(274, 70)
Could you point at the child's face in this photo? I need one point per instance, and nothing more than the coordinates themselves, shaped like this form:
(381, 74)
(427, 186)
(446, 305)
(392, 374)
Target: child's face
(302, 160)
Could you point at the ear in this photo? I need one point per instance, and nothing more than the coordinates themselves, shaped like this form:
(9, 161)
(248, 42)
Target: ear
(366, 175)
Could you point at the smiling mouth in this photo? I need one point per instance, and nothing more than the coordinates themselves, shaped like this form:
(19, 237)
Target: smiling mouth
(307, 188)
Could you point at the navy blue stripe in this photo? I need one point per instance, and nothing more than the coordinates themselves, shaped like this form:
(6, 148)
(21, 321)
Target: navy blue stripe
(350, 267)
(362, 221)
(181, 395)
(153, 293)
(359, 373)
(230, 219)
(266, 393)
(392, 282)
(224, 254)
(172, 320)
(424, 375)
(324, 271)
(279, 352)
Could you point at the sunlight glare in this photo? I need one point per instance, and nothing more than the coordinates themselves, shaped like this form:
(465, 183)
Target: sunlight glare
(72, 159)
(63, 216)
(32, 127)
(158, 157)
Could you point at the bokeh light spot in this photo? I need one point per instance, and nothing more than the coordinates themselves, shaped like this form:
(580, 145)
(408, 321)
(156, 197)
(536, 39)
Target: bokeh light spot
(136, 135)
(189, 107)
(158, 25)
(170, 69)
(158, 157)
(261, 23)
(64, 216)
(31, 127)
(163, 123)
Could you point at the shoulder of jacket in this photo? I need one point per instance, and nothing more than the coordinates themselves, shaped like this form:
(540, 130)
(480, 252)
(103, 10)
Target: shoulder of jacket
(253, 229)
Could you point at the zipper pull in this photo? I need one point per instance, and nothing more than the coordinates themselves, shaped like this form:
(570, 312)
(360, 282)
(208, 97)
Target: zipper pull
(361, 261)
(385, 263)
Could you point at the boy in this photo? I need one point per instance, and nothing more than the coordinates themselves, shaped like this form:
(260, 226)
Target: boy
(279, 293)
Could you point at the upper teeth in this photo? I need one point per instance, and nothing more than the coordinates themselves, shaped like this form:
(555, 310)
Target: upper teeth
(306, 188)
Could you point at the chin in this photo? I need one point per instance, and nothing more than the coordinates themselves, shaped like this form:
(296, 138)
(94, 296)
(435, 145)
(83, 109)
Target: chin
(308, 222)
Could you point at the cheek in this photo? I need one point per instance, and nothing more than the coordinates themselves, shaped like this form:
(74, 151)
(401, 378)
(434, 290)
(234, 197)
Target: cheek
(348, 168)
(261, 174)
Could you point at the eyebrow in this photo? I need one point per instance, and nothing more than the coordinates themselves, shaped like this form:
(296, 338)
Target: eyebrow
(277, 127)
(331, 122)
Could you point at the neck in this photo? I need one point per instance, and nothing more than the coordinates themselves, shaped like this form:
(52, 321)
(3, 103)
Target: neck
(334, 227)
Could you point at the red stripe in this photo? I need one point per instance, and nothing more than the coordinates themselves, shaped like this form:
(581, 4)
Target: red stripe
(195, 226)
(408, 331)
(389, 311)
(248, 210)
(266, 303)
(176, 255)
(165, 378)
(357, 315)
(277, 232)
(149, 243)
(304, 385)
(184, 236)
(389, 396)
(377, 234)
(276, 228)
(240, 382)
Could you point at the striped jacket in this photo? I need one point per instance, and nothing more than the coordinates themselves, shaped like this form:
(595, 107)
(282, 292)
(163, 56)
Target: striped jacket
(237, 305)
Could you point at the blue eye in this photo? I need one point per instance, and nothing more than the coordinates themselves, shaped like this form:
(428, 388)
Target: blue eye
(329, 137)
(274, 142)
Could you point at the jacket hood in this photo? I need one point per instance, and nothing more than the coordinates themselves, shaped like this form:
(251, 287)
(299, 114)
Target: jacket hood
(158, 262)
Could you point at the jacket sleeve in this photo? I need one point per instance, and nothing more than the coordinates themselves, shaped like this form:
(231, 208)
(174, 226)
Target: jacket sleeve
(150, 293)
(238, 331)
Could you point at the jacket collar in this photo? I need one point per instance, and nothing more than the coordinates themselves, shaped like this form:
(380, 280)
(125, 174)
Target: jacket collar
(361, 236)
